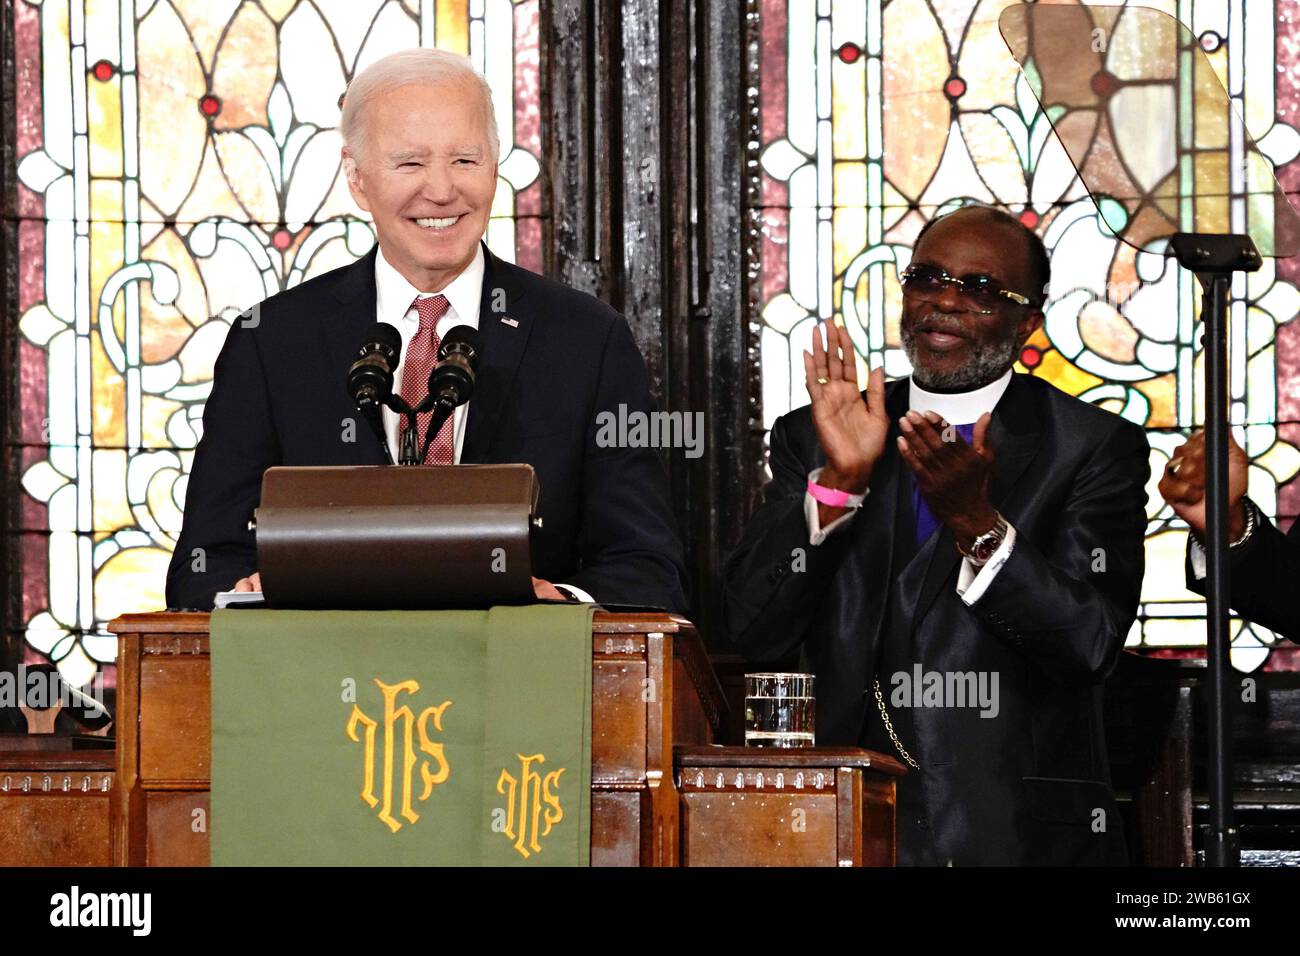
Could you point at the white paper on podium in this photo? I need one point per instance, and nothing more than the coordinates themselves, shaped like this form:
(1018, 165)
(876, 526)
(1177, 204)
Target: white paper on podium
(228, 598)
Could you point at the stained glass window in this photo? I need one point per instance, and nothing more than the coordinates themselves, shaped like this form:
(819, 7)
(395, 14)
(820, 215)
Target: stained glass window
(178, 161)
(876, 115)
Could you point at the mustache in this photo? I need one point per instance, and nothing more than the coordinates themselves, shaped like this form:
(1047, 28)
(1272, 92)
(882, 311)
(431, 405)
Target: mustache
(940, 322)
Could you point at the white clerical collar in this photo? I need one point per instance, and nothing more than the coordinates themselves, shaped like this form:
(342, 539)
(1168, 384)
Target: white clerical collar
(958, 408)
(394, 295)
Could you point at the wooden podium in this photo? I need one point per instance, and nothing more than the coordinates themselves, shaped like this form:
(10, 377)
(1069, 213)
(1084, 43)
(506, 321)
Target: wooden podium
(164, 722)
(711, 806)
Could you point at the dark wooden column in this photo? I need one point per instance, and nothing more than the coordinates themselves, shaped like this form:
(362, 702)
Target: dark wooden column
(648, 128)
(11, 636)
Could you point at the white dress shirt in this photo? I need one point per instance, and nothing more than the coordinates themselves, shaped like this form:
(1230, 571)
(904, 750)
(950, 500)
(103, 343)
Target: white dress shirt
(394, 304)
(1200, 560)
(956, 408)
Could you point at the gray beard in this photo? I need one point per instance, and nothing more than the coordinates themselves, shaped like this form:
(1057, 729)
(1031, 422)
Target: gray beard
(988, 363)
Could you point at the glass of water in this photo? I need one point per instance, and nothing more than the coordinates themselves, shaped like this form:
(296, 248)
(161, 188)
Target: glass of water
(780, 710)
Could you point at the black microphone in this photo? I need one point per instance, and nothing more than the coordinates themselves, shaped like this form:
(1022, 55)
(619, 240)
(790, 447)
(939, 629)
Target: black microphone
(370, 379)
(452, 380)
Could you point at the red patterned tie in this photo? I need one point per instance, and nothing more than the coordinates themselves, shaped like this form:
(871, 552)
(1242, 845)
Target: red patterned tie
(421, 355)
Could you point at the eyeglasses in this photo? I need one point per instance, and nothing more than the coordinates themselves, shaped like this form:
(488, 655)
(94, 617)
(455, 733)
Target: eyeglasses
(983, 293)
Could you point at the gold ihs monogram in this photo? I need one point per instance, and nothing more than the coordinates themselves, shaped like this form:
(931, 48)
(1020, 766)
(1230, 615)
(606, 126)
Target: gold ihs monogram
(395, 764)
(532, 804)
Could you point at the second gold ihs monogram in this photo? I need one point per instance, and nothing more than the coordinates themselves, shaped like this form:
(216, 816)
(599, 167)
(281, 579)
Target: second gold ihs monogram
(532, 804)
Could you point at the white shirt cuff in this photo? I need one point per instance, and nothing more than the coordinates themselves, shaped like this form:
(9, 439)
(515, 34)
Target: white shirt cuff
(576, 592)
(1197, 554)
(972, 582)
(816, 533)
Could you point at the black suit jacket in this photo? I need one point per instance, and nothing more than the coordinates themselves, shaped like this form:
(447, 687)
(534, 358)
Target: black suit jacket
(278, 398)
(1024, 786)
(1261, 576)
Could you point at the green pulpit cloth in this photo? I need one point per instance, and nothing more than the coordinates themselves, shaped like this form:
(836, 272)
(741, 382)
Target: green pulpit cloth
(420, 738)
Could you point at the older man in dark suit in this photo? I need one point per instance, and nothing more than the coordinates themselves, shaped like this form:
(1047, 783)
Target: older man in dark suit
(958, 558)
(420, 153)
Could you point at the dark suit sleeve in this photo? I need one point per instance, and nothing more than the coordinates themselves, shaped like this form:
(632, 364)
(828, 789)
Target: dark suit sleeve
(774, 580)
(1069, 602)
(1261, 577)
(239, 443)
(628, 543)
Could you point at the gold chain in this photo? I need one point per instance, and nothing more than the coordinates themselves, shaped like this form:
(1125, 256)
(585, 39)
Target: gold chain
(898, 744)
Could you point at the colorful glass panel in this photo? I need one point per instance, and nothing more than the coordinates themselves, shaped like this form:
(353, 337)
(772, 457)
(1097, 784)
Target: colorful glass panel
(875, 116)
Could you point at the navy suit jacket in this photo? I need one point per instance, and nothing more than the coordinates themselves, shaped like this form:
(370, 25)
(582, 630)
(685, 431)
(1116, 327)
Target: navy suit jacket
(1024, 786)
(278, 398)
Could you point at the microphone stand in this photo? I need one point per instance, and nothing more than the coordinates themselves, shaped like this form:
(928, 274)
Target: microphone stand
(441, 412)
(410, 437)
(369, 406)
(410, 452)
(443, 404)
(1214, 259)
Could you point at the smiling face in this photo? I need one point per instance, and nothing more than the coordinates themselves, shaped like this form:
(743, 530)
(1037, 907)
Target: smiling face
(953, 348)
(427, 176)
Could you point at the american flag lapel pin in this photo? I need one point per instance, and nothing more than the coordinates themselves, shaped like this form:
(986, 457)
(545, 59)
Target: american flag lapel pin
(506, 320)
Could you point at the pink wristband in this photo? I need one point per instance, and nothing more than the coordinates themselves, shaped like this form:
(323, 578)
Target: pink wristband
(833, 497)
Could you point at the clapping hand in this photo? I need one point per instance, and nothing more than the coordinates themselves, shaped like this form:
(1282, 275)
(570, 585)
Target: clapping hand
(851, 431)
(952, 475)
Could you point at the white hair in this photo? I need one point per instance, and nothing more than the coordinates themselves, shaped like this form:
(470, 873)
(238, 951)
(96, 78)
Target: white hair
(407, 68)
